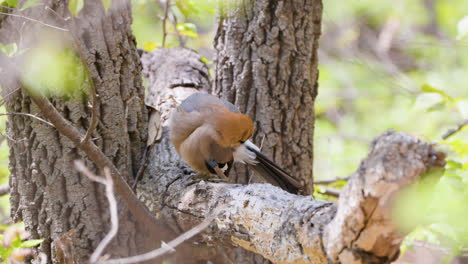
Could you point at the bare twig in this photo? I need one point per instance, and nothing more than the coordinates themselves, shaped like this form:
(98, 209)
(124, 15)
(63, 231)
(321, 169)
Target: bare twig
(166, 10)
(330, 191)
(4, 189)
(30, 115)
(143, 165)
(165, 248)
(112, 207)
(34, 20)
(173, 18)
(330, 181)
(94, 114)
(453, 131)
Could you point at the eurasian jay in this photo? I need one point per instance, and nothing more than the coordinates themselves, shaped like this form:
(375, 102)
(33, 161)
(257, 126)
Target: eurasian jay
(210, 134)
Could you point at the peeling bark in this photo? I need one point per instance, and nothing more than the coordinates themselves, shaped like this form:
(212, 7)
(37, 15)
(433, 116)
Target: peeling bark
(287, 228)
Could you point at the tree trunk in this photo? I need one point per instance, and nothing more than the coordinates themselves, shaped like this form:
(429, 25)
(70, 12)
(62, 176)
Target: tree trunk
(267, 65)
(46, 191)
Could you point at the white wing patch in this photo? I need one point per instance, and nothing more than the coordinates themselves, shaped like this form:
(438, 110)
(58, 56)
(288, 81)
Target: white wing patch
(243, 155)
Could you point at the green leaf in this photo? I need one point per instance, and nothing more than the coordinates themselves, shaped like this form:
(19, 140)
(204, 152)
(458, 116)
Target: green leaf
(462, 28)
(5, 252)
(12, 3)
(205, 60)
(426, 88)
(149, 46)
(16, 242)
(187, 29)
(30, 3)
(451, 164)
(31, 243)
(9, 50)
(75, 6)
(106, 4)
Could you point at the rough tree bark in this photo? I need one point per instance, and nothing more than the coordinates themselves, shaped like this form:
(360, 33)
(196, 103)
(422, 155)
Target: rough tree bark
(279, 226)
(267, 65)
(46, 192)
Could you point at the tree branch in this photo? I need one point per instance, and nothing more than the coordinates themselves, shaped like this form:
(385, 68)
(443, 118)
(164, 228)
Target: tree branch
(453, 131)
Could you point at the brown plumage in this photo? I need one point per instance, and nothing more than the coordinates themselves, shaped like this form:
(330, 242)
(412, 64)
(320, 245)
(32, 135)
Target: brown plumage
(209, 132)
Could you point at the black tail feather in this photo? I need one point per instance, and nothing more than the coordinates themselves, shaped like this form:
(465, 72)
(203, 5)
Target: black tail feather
(273, 173)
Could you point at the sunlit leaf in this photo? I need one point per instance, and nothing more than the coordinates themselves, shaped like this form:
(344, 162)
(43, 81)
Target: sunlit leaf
(187, 29)
(16, 242)
(55, 71)
(462, 28)
(149, 46)
(30, 3)
(9, 50)
(451, 164)
(205, 60)
(75, 6)
(12, 3)
(106, 4)
(31, 243)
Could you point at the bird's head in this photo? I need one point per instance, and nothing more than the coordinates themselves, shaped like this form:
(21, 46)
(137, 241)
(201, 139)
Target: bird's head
(233, 128)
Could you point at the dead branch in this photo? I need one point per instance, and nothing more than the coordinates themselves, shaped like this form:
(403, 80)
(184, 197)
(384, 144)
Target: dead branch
(455, 130)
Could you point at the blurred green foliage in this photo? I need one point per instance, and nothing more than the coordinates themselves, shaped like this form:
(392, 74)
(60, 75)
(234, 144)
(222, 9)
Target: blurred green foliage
(54, 69)
(400, 65)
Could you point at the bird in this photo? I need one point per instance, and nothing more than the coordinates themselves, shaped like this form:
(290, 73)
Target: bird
(210, 133)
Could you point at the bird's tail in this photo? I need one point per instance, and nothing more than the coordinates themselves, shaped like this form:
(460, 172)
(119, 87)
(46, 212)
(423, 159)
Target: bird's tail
(272, 172)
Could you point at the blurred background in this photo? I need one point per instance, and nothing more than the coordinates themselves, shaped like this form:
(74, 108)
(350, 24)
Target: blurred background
(388, 64)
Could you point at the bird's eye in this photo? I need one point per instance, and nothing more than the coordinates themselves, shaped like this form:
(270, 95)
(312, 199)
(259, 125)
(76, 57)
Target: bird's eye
(242, 141)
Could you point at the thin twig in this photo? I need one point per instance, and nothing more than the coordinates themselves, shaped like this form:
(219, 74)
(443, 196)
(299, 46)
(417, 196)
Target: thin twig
(330, 181)
(114, 217)
(94, 106)
(34, 20)
(143, 165)
(4, 189)
(453, 131)
(165, 248)
(166, 9)
(173, 18)
(331, 191)
(30, 115)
